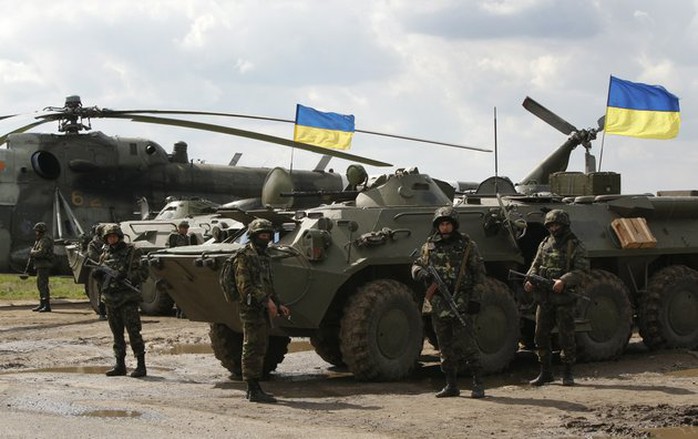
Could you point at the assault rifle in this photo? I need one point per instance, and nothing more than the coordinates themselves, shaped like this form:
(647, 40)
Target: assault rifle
(443, 289)
(542, 284)
(107, 274)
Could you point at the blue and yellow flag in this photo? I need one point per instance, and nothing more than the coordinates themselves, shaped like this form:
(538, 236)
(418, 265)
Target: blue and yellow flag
(329, 130)
(641, 110)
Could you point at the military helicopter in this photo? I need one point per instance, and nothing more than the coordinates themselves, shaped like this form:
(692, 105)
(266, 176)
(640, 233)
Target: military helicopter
(80, 177)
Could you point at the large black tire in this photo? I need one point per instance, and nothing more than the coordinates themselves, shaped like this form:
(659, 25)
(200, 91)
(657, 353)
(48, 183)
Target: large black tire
(155, 302)
(610, 314)
(497, 327)
(325, 341)
(381, 331)
(227, 347)
(668, 312)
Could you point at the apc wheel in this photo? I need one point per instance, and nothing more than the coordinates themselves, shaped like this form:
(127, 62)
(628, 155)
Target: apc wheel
(381, 331)
(610, 315)
(668, 312)
(497, 327)
(325, 341)
(227, 347)
(155, 302)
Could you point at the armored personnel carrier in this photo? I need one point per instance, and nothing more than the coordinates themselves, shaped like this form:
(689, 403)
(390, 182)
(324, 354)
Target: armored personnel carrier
(152, 234)
(343, 268)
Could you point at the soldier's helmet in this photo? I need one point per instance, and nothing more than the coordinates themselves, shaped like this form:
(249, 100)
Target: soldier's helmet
(112, 229)
(40, 227)
(557, 216)
(260, 225)
(184, 224)
(445, 213)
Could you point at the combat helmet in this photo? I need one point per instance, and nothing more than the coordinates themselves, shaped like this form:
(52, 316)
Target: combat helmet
(260, 225)
(112, 229)
(557, 216)
(40, 227)
(445, 213)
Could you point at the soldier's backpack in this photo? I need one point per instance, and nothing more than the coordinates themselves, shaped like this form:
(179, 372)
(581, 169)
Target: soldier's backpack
(226, 279)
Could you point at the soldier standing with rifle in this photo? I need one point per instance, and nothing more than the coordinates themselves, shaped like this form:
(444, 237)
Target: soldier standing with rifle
(119, 271)
(94, 250)
(258, 305)
(41, 255)
(561, 258)
(454, 258)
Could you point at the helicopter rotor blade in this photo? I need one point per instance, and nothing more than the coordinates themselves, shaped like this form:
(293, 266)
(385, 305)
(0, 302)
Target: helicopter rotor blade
(548, 116)
(119, 113)
(252, 135)
(27, 127)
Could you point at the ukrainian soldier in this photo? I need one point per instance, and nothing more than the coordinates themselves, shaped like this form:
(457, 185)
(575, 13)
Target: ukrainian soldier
(562, 258)
(41, 256)
(181, 237)
(122, 274)
(258, 304)
(94, 250)
(458, 263)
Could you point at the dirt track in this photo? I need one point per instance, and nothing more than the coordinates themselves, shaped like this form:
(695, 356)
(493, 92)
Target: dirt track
(52, 384)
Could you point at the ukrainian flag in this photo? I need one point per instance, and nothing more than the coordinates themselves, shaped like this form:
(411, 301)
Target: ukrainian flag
(641, 110)
(329, 130)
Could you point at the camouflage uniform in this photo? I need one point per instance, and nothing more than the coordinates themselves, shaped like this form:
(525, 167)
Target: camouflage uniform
(94, 251)
(253, 281)
(254, 284)
(560, 256)
(42, 258)
(121, 301)
(457, 343)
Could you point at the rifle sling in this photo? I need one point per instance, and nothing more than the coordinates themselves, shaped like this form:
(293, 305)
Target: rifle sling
(462, 269)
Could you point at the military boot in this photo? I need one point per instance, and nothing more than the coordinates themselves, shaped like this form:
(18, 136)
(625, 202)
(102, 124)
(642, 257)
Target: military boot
(139, 371)
(46, 307)
(256, 394)
(39, 306)
(567, 377)
(451, 388)
(119, 368)
(545, 375)
(478, 386)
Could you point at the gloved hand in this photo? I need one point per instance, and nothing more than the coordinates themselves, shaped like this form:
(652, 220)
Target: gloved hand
(97, 274)
(422, 275)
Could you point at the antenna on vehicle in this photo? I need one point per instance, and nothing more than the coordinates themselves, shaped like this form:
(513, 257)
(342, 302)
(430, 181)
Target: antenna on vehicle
(496, 159)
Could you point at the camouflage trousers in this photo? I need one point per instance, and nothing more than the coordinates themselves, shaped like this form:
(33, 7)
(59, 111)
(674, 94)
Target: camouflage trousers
(547, 316)
(42, 282)
(255, 328)
(457, 343)
(126, 316)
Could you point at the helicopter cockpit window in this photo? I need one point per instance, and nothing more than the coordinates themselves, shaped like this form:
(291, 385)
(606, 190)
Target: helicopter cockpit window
(46, 165)
(133, 148)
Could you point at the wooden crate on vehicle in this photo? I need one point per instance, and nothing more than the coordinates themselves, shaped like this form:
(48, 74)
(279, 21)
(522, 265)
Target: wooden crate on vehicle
(633, 233)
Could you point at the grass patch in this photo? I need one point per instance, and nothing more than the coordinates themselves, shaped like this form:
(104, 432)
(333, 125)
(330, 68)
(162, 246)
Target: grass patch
(62, 287)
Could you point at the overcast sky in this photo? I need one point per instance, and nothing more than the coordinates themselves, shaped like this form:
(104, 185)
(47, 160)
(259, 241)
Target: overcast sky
(428, 69)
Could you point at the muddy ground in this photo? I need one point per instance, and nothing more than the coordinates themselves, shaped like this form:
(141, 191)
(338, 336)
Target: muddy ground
(52, 384)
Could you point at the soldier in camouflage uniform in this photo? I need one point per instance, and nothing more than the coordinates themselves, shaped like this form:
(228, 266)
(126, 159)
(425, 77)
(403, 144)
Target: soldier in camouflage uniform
(457, 260)
(258, 303)
(122, 301)
(94, 250)
(41, 256)
(562, 258)
(181, 237)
